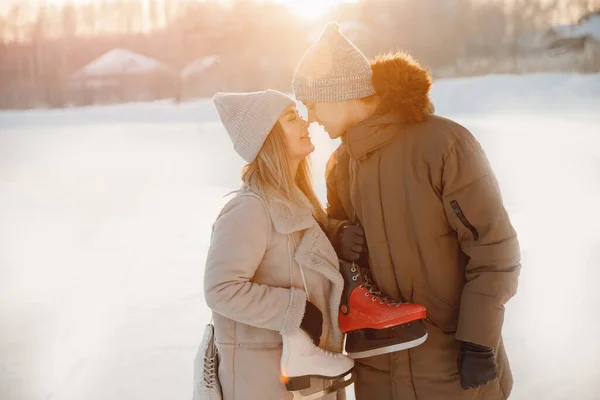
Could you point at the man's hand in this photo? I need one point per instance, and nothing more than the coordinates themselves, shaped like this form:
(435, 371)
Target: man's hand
(476, 366)
(351, 242)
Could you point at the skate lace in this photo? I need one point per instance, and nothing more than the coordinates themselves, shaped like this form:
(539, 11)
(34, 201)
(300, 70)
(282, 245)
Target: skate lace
(328, 353)
(372, 289)
(209, 372)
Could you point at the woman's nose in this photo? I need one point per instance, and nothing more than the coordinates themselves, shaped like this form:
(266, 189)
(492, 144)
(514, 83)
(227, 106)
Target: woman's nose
(311, 116)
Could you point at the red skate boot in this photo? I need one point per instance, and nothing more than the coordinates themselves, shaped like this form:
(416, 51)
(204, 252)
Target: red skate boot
(375, 324)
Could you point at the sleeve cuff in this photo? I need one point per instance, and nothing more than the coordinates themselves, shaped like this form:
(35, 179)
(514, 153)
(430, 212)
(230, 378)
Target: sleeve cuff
(295, 312)
(480, 320)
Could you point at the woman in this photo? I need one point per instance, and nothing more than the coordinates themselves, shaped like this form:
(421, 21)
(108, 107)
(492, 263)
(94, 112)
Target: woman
(271, 276)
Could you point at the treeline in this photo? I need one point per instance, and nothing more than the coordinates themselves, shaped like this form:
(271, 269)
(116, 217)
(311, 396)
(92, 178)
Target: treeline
(42, 46)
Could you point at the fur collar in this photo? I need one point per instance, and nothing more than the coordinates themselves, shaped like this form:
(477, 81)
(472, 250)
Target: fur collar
(286, 218)
(403, 85)
(289, 218)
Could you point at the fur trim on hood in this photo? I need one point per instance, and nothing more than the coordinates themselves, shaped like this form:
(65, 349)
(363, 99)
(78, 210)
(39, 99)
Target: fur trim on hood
(403, 84)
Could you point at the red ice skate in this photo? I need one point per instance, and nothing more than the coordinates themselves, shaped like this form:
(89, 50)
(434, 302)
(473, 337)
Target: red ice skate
(375, 324)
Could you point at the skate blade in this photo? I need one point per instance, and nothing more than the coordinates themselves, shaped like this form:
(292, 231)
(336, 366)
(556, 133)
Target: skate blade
(338, 384)
(389, 349)
(297, 383)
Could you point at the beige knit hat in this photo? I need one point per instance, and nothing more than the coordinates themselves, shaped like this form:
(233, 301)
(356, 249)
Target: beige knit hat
(249, 117)
(333, 69)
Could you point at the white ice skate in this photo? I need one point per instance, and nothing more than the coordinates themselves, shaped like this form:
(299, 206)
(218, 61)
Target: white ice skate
(302, 360)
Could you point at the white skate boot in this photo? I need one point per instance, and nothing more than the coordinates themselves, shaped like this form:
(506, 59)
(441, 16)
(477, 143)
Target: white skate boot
(302, 360)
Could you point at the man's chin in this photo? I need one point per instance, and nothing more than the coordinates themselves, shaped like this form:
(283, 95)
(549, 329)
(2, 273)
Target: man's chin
(334, 135)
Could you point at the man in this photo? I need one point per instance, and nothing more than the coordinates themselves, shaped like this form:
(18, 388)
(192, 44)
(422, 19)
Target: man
(437, 232)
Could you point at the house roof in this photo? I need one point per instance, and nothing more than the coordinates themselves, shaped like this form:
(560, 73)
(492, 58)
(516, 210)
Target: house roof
(589, 26)
(198, 66)
(119, 62)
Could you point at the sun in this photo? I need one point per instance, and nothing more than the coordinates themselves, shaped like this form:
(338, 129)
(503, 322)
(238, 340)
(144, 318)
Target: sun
(310, 9)
(65, 2)
(305, 9)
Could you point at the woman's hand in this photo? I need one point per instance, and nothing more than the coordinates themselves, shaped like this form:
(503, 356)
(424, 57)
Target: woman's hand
(312, 322)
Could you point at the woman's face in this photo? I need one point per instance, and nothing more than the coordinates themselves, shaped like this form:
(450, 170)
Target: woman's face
(334, 117)
(295, 130)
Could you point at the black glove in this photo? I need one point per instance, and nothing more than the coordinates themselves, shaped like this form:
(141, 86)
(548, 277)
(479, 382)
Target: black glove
(476, 366)
(312, 322)
(351, 242)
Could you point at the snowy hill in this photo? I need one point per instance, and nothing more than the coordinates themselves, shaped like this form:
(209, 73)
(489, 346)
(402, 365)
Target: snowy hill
(106, 215)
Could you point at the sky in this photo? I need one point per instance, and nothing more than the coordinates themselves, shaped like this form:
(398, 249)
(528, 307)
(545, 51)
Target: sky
(303, 8)
(310, 8)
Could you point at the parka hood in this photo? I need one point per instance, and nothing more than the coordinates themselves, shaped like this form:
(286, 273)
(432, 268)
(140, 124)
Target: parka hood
(404, 85)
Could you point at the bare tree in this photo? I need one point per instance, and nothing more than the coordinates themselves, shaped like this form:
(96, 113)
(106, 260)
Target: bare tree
(13, 22)
(168, 11)
(583, 7)
(121, 17)
(3, 27)
(129, 18)
(38, 37)
(137, 10)
(153, 16)
(105, 22)
(521, 14)
(88, 17)
(489, 27)
(68, 21)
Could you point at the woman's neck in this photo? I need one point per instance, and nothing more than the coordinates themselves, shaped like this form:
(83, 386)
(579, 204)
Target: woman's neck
(294, 165)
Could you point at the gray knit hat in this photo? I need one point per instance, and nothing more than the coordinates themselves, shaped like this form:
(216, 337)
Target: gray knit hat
(333, 69)
(249, 117)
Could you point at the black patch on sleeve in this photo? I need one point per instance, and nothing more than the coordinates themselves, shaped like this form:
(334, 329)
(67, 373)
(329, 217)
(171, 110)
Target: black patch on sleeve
(461, 215)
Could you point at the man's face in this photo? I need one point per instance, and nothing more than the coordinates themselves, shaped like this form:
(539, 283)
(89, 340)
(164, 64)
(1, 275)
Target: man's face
(334, 117)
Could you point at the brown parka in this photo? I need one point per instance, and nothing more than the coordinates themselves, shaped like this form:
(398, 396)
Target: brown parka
(437, 234)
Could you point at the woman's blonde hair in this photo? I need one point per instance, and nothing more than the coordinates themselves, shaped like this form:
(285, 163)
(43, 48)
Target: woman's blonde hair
(269, 176)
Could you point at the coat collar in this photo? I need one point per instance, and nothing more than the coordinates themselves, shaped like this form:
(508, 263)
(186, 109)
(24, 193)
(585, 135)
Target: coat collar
(290, 218)
(286, 218)
(370, 135)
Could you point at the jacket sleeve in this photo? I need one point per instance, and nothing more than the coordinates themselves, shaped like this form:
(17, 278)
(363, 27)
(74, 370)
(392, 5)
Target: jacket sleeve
(474, 208)
(238, 243)
(335, 210)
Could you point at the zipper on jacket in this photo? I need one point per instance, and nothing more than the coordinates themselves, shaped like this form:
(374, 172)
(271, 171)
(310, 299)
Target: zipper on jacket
(461, 216)
(258, 346)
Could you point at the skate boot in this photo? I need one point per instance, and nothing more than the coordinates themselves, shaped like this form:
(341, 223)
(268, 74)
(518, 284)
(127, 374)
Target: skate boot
(373, 323)
(302, 360)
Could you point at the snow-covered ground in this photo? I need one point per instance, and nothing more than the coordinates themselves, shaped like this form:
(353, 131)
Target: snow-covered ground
(105, 217)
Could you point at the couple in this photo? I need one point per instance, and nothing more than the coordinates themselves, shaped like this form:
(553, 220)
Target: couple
(411, 199)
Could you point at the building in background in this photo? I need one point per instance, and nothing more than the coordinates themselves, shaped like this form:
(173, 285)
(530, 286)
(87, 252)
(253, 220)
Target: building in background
(582, 40)
(121, 75)
(205, 76)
